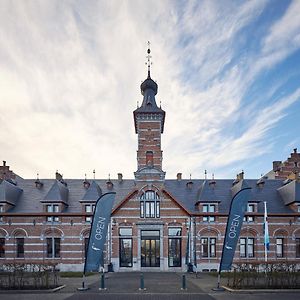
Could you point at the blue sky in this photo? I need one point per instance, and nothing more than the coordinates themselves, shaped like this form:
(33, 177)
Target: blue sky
(70, 71)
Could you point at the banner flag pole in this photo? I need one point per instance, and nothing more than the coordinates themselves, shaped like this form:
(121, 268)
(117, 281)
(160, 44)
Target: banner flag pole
(98, 233)
(237, 211)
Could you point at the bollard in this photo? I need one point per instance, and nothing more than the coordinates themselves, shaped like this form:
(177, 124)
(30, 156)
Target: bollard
(83, 287)
(142, 283)
(102, 283)
(183, 283)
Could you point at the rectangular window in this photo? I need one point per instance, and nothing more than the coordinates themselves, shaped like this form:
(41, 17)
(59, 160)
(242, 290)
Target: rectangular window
(157, 209)
(1, 211)
(208, 247)
(247, 247)
(89, 208)
(279, 247)
(125, 231)
(52, 208)
(298, 247)
(2, 247)
(125, 252)
(174, 249)
(53, 247)
(209, 208)
(251, 209)
(125, 247)
(150, 209)
(174, 252)
(20, 247)
(142, 213)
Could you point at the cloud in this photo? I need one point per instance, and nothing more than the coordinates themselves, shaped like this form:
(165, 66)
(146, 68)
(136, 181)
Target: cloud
(70, 75)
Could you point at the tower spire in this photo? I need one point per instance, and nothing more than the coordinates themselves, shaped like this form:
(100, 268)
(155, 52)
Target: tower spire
(149, 62)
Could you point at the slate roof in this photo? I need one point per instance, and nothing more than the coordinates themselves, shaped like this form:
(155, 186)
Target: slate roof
(149, 90)
(92, 193)
(186, 196)
(290, 192)
(9, 193)
(57, 193)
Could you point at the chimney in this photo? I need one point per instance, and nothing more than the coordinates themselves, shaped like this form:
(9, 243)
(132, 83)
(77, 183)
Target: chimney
(4, 163)
(120, 177)
(295, 150)
(240, 176)
(109, 185)
(276, 165)
(58, 176)
(179, 176)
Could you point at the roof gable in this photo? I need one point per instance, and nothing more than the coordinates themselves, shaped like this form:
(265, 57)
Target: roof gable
(9, 193)
(57, 193)
(93, 192)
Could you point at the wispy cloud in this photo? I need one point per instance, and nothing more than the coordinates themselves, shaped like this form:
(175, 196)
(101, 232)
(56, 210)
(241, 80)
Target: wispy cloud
(70, 75)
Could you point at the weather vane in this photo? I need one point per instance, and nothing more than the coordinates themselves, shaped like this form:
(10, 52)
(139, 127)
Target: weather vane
(149, 62)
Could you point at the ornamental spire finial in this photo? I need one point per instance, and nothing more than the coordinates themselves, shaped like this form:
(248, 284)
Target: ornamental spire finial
(149, 62)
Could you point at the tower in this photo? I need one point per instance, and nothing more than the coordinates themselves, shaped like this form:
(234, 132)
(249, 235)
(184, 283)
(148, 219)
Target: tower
(149, 125)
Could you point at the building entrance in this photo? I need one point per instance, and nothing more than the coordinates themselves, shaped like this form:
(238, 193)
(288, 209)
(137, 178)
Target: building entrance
(150, 248)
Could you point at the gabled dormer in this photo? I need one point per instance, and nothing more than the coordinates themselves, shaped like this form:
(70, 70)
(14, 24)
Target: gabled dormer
(290, 193)
(9, 195)
(56, 200)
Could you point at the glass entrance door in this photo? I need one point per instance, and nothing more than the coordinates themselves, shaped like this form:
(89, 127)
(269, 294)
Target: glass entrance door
(150, 249)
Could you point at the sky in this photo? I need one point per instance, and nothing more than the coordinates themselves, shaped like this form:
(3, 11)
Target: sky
(70, 75)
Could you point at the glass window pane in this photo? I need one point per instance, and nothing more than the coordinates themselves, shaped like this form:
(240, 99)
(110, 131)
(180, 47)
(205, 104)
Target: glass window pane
(142, 213)
(49, 208)
(49, 247)
(2, 247)
(205, 208)
(57, 247)
(174, 231)
(150, 233)
(125, 231)
(88, 208)
(55, 208)
(212, 208)
(147, 208)
(125, 252)
(152, 209)
(297, 247)
(174, 252)
(157, 209)
(20, 247)
(204, 247)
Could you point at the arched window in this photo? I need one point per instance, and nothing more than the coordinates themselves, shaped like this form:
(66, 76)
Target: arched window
(150, 205)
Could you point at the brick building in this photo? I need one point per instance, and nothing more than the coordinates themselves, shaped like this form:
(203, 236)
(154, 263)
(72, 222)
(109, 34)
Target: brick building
(157, 223)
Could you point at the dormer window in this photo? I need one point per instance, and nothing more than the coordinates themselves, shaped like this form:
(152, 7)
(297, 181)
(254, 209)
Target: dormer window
(209, 208)
(52, 208)
(251, 208)
(150, 205)
(89, 208)
(1, 211)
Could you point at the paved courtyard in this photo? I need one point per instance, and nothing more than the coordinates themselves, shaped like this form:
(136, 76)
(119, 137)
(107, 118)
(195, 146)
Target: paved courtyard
(158, 286)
